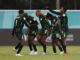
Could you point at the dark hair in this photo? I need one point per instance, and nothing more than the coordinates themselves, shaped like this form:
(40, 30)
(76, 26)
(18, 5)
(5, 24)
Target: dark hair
(64, 9)
(25, 14)
(21, 11)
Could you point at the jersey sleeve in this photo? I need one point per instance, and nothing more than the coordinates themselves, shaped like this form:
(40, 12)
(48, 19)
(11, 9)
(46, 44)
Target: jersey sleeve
(15, 23)
(65, 18)
(58, 13)
(25, 22)
(57, 18)
(13, 31)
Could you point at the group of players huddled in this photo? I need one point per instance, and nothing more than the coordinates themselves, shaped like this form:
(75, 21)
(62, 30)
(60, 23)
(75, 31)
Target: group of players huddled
(58, 28)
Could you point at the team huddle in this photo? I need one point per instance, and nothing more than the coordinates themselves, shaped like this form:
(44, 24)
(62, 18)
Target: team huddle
(58, 28)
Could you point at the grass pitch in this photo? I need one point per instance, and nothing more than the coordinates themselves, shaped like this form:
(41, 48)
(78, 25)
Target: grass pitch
(6, 53)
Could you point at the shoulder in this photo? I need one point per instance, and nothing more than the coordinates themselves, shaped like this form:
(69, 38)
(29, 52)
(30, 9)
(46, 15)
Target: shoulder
(32, 18)
(24, 18)
(64, 14)
(17, 17)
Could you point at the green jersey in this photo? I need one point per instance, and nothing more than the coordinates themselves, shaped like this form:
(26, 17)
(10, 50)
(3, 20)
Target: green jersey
(18, 26)
(34, 28)
(64, 22)
(45, 25)
(30, 21)
(44, 22)
(56, 30)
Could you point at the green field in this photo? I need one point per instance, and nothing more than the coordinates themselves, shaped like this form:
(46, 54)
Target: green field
(6, 53)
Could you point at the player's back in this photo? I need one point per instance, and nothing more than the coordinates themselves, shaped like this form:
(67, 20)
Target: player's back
(44, 22)
(19, 21)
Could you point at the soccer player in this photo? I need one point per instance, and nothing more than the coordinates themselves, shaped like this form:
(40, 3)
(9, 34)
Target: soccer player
(64, 26)
(55, 23)
(32, 33)
(17, 30)
(44, 32)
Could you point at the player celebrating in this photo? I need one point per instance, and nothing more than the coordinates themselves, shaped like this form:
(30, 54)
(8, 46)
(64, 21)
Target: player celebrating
(17, 30)
(44, 31)
(32, 32)
(55, 23)
(64, 26)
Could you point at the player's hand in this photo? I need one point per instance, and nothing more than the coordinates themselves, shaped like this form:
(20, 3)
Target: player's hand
(12, 37)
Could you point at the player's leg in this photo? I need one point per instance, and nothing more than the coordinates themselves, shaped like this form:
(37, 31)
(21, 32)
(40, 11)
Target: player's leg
(39, 39)
(54, 46)
(59, 46)
(63, 43)
(53, 42)
(21, 38)
(33, 44)
(17, 46)
(44, 43)
(29, 44)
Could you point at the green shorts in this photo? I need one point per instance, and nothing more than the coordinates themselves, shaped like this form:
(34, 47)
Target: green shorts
(64, 34)
(44, 32)
(56, 35)
(19, 35)
(64, 31)
(33, 32)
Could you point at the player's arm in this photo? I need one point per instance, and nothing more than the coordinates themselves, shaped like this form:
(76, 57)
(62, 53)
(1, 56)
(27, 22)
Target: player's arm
(15, 23)
(13, 31)
(58, 20)
(58, 13)
(26, 23)
(35, 23)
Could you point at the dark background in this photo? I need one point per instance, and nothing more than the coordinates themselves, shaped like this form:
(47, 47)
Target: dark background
(38, 4)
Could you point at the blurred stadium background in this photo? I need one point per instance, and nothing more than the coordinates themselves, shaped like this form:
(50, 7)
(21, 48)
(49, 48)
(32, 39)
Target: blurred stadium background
(9, 8)
(8, 12)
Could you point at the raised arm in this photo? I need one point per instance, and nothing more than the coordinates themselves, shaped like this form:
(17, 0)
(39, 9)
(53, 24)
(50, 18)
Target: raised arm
(58, 13)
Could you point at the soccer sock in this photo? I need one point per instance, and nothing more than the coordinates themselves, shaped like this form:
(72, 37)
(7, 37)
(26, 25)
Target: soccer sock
(60, 48)
(54, 49)
(64, 47)
(20, 48)
(30, 47)
(34, 46)
(17, 45)
(44, 48)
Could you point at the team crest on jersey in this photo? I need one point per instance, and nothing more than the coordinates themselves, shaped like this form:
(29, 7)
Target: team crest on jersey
(54, 20)
(64, 15)
(41, 19)
(24, 18)
(30, 21)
